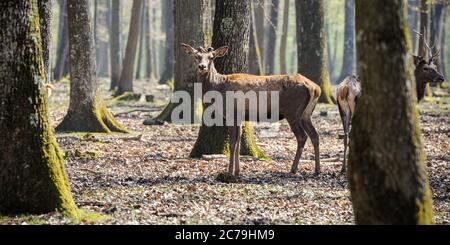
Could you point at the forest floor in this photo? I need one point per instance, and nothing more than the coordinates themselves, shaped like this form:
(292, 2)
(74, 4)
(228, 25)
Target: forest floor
(128, 179)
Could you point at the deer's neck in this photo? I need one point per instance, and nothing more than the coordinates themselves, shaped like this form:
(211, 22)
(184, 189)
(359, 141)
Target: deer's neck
(212, 80)
(420, 87)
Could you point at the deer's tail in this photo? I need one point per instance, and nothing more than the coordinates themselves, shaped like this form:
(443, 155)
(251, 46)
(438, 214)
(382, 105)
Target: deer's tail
(314, 94)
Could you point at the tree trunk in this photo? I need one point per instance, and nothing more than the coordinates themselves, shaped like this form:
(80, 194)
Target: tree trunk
(62, 56)
(231, 27)
(348, 63)
(437, 30)
(87, 112)
(141, 41)
(154, 46)
(149, 43)
(387, 175)
(104, 25)
(126, 77)
(168, 26)
(284, 37)
(260, 19)
(115, 44)
(413, 21)
(312, 45)
(32, 174)
(46, 16)
(272, 37)
(192, 23)
(424, 29)
(254, 53)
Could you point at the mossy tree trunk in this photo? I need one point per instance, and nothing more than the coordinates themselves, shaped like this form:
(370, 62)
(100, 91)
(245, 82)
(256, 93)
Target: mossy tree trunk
(348, 64)
(231, 27)
(192, 25)
(284, 37)
(87, 112)
(312, 45)
(387, 174)
(167, 22)
(32, 175)
(126, 77)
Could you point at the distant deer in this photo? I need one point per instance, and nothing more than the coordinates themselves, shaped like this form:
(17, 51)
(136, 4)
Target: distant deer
(298, 98)
(347, 94)
(425, 69)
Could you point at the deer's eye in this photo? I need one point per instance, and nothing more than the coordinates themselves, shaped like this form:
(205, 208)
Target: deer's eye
(426, 69)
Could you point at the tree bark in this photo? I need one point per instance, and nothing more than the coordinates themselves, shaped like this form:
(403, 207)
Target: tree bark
(141, 41)
(312, 45)
(272, 36)
(126, 77)
(46, 16)
(260, 20)
(62, 56)
(168, 26)
(231, 27)
(149, 67)
(87, 112)
(154, 46)
(387, 174)
(192, 25)
(348, 64)
(32, 174)
(115, 44)
(284, 37)
(424, 26)
(254, 53)
(437, 30)
(413, 21)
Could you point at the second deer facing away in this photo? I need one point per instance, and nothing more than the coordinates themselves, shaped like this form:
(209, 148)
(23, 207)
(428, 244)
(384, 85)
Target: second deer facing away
(298, 98)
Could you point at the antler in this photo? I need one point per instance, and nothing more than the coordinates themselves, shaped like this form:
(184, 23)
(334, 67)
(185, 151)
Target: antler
(427, 46)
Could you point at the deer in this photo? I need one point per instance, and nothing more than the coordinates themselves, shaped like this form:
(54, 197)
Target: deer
(347, 94)
(298, 97)
(425, 69)
(49, 88)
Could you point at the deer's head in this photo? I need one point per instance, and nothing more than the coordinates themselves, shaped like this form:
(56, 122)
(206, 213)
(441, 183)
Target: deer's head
(427, 71)
(204, 58)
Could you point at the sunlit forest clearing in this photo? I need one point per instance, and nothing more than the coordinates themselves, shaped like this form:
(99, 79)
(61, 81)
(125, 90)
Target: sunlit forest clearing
(106, 90)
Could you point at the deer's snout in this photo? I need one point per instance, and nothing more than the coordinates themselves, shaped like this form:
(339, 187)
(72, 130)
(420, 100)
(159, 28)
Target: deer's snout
(202, 67)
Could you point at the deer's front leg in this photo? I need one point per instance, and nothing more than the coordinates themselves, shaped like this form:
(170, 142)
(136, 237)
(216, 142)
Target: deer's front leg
(237, 150)
(233, 137)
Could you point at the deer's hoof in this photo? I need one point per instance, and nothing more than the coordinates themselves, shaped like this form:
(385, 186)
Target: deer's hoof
(226, 177)
(294, 171)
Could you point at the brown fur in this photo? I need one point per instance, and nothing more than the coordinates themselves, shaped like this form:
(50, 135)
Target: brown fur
(298, 97)
(347, 95)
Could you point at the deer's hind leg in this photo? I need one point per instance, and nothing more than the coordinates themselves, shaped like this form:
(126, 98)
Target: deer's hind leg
(237, 150)
(301, 136)
(233, 140)
(312, 133)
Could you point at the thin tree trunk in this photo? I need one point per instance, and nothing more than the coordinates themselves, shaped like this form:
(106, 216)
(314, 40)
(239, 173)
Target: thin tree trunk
(312, 45)
(437, 30)
(87, 112)
(284, 36)
(154, 46)
(413, 21)
(149, 43)
(115, 44)
(126, 78)
(46, 16)
(236, 16)
(387, 175)
(141, 42)
(260, 19)
(272, 37)
(167, 72)
(348, 64)
(62, 59)
(192, 23)
(254, 53)
(32, 174)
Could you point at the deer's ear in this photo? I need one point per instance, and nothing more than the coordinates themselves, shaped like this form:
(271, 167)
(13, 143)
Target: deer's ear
(417, 59)
(188, 48)
(220, 51)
